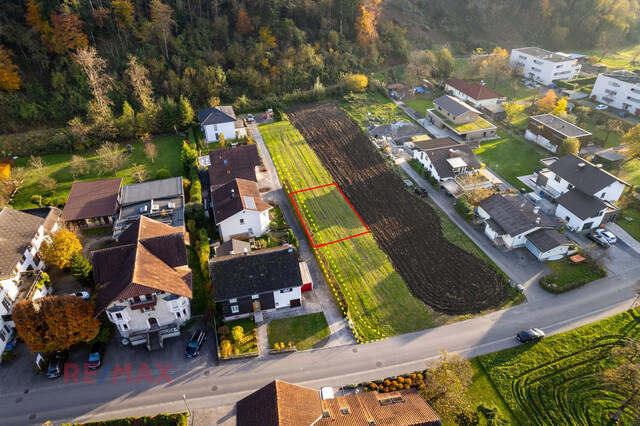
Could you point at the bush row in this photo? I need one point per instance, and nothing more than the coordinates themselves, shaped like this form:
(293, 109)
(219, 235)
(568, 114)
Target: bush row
(173, 419)
(418, 167)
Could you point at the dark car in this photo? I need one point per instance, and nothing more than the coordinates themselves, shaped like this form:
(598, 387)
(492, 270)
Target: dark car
(95, 355)
(56, 365)
(193, 347)
(531, 335)
(598, 239)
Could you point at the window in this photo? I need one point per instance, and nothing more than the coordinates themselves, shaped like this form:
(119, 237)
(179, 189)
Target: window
(535, 69)
(345, 410)
(255, 296)
(241, 221)
(233, 300)
(235, 309)
(2, 335)
(522, 57)
(286, 290)
(6, 302)
(603, 194)
(178, 315)
(326, 413)
(557, 178)
(614, 84)
(124, 327)
(118, 315)
(570, 187)
(136, 299)
(148, 309)
(184, 312)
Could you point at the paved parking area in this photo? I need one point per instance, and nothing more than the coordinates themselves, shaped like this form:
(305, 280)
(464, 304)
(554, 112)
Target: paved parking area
(617, 259)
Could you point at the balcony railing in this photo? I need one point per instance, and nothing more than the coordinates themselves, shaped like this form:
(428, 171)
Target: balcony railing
(144, 303)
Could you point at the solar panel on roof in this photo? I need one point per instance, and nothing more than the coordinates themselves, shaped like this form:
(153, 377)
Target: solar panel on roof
(249, 202)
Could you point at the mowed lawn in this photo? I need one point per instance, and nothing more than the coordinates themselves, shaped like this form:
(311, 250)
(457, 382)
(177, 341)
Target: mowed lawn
(328, 225)
(57, 167)
(558, 381)
(304, 331)
(420, 103)
(380, 303)
(509, 158)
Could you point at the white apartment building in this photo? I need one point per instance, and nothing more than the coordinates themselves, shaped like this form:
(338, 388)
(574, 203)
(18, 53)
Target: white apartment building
(618, 89)
(544, 66)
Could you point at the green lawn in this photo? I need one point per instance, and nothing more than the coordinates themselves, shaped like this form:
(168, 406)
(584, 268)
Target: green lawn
(201, 298)
(420, 103)
(482, 391)
(479, 124)
(633, 227)
(358, 105)
(614, 139)
(57, 167)
(557, 381)
(327, 225)
(565, 273)
(249, 342)
(512, 88)
(510, 158)
(379, 301)
(630, 172)
(304, 331)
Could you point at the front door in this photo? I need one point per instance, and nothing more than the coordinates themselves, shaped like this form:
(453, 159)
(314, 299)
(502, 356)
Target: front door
(256, 305)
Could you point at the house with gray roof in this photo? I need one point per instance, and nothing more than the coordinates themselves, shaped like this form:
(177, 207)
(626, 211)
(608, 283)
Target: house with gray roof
(513, 221)
(162, 200)
(460, 118)
(220, 120)
(549, 131)
(21, 235)
(259, 280)
(586, 194)
(445, 158)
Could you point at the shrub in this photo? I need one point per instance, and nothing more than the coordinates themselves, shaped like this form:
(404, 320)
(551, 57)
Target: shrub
(355, 82)
(223, 329)
(292, 238)
(163, 174)
(37, 200)
(195, 193)
(463, 208)
(8, 355)
(238, 333)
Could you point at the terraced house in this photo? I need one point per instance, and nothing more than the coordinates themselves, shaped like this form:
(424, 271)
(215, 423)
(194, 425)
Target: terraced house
(21, 234)
(461, 119)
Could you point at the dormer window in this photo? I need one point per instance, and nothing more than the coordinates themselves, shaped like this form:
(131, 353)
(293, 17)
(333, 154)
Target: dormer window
(557, 178)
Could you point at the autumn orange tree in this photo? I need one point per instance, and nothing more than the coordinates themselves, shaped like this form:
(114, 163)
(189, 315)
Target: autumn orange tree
(59, 251)
(10, 80)
(547, 103)
(244, 25)
(55, 323)
(67, 33)
(368, 11)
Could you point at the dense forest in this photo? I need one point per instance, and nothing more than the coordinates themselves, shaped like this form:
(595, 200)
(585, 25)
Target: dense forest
(117, 69)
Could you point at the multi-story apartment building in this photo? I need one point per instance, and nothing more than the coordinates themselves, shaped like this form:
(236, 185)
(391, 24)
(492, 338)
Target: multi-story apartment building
(544, 66)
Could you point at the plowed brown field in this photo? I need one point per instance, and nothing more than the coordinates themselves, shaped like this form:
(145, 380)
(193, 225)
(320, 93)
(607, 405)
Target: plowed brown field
(437, 272)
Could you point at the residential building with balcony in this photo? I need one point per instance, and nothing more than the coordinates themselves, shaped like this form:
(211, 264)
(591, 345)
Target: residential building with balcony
(584, 192)
(618, 89)
(544, 66)
(549, 131)
(161, 200)
(144, 283)
(461, 119)
(21, 235)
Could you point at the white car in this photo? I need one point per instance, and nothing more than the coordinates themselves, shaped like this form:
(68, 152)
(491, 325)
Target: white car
(607, 235)
(82, 294)
(601, 107)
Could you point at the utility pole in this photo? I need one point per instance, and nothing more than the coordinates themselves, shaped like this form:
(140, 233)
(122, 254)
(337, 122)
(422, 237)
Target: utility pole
(190, 420)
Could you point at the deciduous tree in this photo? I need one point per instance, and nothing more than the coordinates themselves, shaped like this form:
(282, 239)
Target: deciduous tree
(99, 82)
(161, 17)
(560, 110)
(512, 109)
(78, 165)
(10, 80)
(150, 149)
(495, 67)
(366, 20)
(568, 146)
(447, 383)
(123, 10)
(138, 77)
(421, 65)
(55, 323)
(632, 139)
(611, 126)
(355, 82)
(624, 379)
(265, 37)
(547, 103)
(111, 157)
(243, 24)
(67, 33)
(59, 251)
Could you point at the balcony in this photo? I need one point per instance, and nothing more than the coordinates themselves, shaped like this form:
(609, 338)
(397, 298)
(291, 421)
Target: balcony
(142, 304)
(28, 285)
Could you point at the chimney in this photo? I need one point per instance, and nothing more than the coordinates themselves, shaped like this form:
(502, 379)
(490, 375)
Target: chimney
(244, 251)
(451, 152)
(233, 193)
(536, 209)
(537, 220)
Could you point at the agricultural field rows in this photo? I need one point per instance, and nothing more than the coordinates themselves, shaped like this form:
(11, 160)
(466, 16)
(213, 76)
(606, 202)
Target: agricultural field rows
(446, 278)
(377, 300)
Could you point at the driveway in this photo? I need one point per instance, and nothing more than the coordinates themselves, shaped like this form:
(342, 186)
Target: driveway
(617, 259)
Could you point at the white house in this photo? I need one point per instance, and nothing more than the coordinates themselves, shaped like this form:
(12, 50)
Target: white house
(544, 66)
(239, 210)
(618, 89)
(21, 234)
(585, 193)
(512, 221)
(220, 120)
(260, 280)
(145, 283)
(476, 94)
(445, 158)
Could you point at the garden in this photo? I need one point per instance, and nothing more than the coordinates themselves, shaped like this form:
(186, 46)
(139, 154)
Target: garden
(560, 380)
(364, 107)
(362, 277)
(566, 276)
(302, 332)
(238, 338)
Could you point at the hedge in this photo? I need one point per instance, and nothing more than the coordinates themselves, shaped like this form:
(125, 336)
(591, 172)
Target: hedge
(173, 419)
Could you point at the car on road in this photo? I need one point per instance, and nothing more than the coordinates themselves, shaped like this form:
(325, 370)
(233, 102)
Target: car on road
(193, 347)
(607, 235)
(530, 335)
(598, 239)
(601, 107)
(96, 354)
(82, 294)
(56, 365)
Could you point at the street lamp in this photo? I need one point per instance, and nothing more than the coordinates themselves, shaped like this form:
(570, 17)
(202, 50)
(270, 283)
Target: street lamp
(190, 420)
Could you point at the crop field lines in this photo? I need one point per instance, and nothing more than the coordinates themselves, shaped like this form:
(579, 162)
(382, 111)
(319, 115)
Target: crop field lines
(325, 225)
(366, 287)
(559, 381)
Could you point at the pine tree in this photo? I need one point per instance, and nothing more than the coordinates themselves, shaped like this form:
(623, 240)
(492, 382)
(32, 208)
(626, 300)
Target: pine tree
(81, 268)
(185, 110)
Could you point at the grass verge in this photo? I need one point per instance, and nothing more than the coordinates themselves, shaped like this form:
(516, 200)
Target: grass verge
(57, 167)
(482, 391)
(632, 227)
(173, 419)
(379, 301)
(567, 276)
(304, 331)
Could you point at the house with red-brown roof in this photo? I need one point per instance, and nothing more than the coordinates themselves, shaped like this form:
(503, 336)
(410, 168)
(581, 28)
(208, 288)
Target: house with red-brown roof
(93, 203)
(476, 94)
(285, 404)
(144, 283)
(238, 210)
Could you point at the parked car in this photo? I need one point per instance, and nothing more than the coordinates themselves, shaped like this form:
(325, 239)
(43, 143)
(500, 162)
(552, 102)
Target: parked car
(623, 113)
(553, 86)
(601, 107)
(56, 365)
(420, 191)
(607, 235)
(82, 294)
(96, 354)
(250, 118)
(530, 335)
(193, 347)
(598, 239)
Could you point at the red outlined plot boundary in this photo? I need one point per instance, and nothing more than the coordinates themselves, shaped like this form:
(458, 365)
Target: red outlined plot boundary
(295, 206)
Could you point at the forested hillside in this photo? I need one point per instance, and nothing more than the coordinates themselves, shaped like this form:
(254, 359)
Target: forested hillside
(117, 69)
